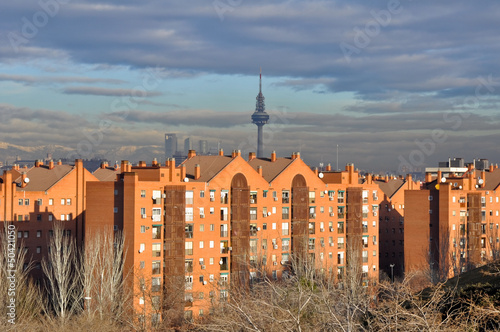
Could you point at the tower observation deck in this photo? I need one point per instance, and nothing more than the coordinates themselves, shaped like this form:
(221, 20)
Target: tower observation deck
(260, 118)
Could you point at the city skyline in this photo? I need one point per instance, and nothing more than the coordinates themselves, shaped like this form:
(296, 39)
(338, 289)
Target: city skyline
(390, 82)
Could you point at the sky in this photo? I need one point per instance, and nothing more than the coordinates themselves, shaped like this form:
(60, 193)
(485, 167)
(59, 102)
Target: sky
(396, 85)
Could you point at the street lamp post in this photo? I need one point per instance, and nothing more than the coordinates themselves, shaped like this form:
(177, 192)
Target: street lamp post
(392, 272)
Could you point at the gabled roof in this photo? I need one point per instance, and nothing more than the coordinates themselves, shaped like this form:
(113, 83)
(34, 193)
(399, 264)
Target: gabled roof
(210, 166)
(106, 174)
(270, 169)
(492, 180)
(391, 187)
(42, 178)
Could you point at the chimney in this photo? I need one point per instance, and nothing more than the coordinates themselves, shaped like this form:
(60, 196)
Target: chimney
(236, 153)
(386, 178)
(409, 181)
(16, 167)
(154, 163)
(483, 177)
(252, 156)
(51, 164)
(439, 176)
(24, 176)
(183, 172)
(315, 169)
(221, 152)
(38, 163)
(191, 154)
(197, 171)
(273, 156)
(492, 168)
(260, 171)
(59, 162)
(369, 178)
(104, 164)
(124, 166)
(428, 177)
(328, 168)
(142, 163)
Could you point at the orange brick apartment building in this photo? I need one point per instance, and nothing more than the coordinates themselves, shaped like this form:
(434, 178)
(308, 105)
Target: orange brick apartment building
(216, 221)
(452, 224)
(34, 198)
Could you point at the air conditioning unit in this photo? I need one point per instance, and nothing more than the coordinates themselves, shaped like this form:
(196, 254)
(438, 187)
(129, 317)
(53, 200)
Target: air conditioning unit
(275, 199)
(203, 267)
(331, 244)
(322, 244)
(264, 215)
(275, 263)
(212, 199)
(321, 229)
(283, 262)
(331, 198)
(332, 214)
(202, 216)
(252, 201)
(143, 216)
(230, 248)
(163, 195)
(374, 213)
(275, 246)
(331, 229)
(314, 215)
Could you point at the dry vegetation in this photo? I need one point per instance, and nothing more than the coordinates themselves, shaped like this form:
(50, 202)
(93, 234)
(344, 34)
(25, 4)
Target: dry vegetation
(85, 291)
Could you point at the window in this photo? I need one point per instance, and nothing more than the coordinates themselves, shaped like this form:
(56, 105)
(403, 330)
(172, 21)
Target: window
(340, 197)
(285, 211)
(253, 229)
(115, 210)
(312, 228)
(39, 201)
(340, 227)
(26, 234)
(68, 201)
(21, 201)
(201, 244)
(365, 196)
(143, 193)
(312, 212)
(63, 201)
(156, 247)
(39, 217)
(63, 217)
(223, 230)
(51, 217)
(155, 284)
(211, 244)
(189, 214)
(188, 230)
(143, 229)
(311, 243)
(156, 232)
(51, 201)
(264, 193)
(285, 245)
(253, 213)
(212, 195)
(202, 212)
(312, 197)
(188, 248)
(38, 250)
(224, 195)
(212, 227)
(202, 193)
(223, 214)
(253, 197)
(156, 267)
(189, 197)
(27, 201)
(340, 212)
(285, 197)
(340, 243)
(143, 212)
(142, 247)
(202, 227)
(284, 229)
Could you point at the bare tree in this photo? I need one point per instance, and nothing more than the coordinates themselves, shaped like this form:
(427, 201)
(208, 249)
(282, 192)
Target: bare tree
(61, 272)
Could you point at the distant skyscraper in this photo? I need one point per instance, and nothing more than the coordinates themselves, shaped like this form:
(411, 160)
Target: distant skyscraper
(187, 145)
(170, 145)
(203, 147)
(260, 118)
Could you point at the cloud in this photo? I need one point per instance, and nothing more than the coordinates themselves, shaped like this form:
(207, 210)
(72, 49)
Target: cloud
(30, 79)
(97, 91)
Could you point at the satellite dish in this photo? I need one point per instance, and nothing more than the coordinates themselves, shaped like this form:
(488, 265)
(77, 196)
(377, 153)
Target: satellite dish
(27, 180)
(326, 191)
(269, 213)
(320, 175)
(459, 187)
(455, 184)
(186, 180)
(481, 181)
(443, 179)
(477, 186)
(204, 283)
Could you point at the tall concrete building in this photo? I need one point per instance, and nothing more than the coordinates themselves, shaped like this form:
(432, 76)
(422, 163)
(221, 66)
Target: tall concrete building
(187, 145)
(170, 145)
(203, 147)
(260, 118)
